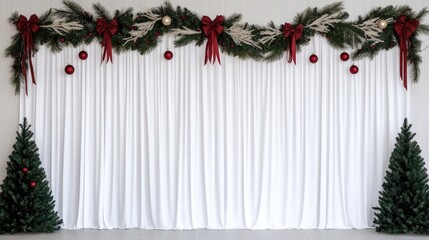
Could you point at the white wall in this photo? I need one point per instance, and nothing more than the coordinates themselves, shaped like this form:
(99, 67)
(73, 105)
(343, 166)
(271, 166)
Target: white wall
(253, 11)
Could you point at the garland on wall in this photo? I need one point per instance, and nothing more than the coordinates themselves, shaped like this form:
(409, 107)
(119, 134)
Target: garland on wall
(380, 29)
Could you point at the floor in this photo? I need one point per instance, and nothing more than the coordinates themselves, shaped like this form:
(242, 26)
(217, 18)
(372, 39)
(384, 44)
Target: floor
(203, 234)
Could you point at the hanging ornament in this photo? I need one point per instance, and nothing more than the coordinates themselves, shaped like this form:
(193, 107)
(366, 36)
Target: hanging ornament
(24, 170)
(62, 40)
(313, 58)
(168, 55)
(83, 55)
(382, 24)
(166, 20)
(354, 69)
(33, 184)
(344, 56)
(69, 69)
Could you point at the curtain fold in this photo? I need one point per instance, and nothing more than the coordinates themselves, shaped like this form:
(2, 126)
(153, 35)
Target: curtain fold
(148, 143)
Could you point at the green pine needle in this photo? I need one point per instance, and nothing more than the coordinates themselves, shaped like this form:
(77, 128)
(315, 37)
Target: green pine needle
(101, 11)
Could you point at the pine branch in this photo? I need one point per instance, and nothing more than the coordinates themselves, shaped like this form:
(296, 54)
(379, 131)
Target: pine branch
(187, 39)
(275, 54)
(168, 6)
(14, 18)
(415, 59)
(16, 51)
(231, 20)
(423, 29)
(422, 13)
(45, 17)
(124, 13)
(101, 11)
(332, 8)
(73, 7)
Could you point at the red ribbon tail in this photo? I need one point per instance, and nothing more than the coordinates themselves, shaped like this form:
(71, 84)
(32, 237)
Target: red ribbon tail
(211, 51)
(289, 59)
(107, 47)
(31, 70)
(216, 50)
(109, 50)
(403, 61)
(218, 56)
(405, 68)
(206, 58)
(293, 49)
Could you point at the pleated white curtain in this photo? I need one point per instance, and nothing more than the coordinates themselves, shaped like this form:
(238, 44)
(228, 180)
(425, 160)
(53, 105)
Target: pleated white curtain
(150, 143)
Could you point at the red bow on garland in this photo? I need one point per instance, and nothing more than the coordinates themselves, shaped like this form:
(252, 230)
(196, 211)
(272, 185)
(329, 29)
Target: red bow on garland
(211, 30)
(108, 29)
(294, 34)
(404, 29)
(27, 28)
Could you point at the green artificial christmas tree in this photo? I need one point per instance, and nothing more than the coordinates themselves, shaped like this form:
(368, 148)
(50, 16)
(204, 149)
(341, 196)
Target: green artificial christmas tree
(26, 202)
(404, 200)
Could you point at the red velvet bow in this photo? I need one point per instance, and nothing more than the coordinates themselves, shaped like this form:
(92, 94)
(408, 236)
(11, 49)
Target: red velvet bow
(404, 29)
(211, 30)
(27, 28)
(108, 29)
(294, 34)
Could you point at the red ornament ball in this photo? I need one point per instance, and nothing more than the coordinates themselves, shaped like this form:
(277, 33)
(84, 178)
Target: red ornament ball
(313, 58)
(62, 40)
(344, 56)
(354, 69)
(69, 69)
(83, 55)
(33, 184)
(24, 170)
(168, 55)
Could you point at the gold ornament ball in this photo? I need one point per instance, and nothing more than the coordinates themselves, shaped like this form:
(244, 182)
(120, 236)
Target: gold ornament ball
(166, 20)
(382, 24)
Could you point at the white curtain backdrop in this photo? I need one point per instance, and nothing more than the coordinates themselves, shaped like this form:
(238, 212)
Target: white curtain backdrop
(150, 143)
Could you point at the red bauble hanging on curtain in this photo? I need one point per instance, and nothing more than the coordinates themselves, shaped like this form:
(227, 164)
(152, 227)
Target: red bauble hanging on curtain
(83, 55)
(344, 56)
(354, 69)
(69, 69)
(314, 58)
(168, 55)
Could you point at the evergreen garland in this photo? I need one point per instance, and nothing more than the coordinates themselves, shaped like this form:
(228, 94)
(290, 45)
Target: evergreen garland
(390, 39)
(243, 40)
